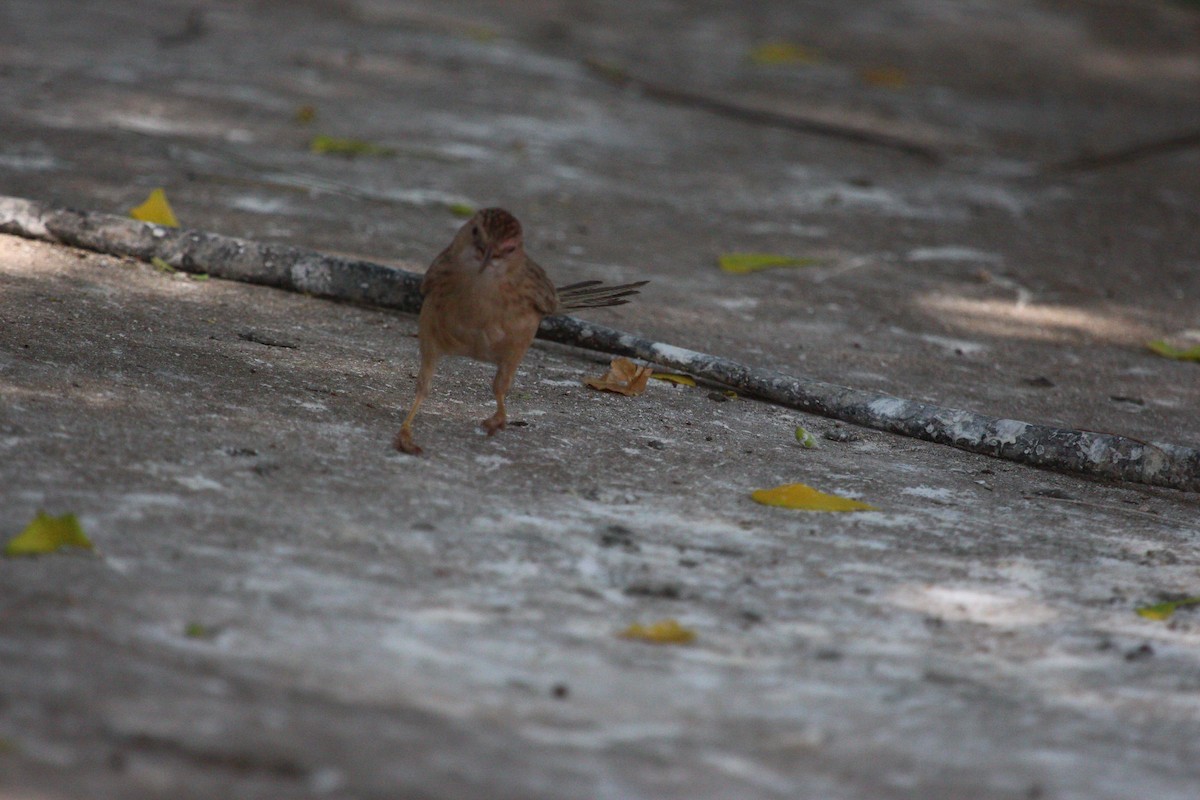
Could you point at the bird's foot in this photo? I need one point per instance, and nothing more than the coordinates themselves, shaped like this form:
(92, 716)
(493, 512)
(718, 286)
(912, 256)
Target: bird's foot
(496, 422)
(405, 444)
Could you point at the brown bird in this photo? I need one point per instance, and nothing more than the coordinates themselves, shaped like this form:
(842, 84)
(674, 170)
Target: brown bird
(484, 299)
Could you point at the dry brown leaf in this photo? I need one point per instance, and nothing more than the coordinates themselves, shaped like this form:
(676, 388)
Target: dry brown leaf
(623, 377)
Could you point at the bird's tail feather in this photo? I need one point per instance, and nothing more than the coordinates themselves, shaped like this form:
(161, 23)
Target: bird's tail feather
(594, 294)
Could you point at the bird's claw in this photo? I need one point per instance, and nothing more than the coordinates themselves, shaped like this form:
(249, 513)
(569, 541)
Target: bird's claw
(405, 444)
(492, 424)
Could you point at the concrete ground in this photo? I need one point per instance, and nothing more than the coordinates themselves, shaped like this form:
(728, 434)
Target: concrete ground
(281, 606)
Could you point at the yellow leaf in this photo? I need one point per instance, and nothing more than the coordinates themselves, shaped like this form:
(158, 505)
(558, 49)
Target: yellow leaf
(670, 377)
(741, 263)
(667, 631)
(885, 77)
(1163, 611)
(1180, 353)
(156, 209)
(806, 498)
(331, 145)
(47, 534)
(623, 377)
(775, 53)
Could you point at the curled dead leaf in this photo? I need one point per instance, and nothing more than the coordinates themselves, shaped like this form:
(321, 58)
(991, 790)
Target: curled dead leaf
(623, 377)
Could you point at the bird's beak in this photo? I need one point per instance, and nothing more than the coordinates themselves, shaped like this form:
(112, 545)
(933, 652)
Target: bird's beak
(487, 258)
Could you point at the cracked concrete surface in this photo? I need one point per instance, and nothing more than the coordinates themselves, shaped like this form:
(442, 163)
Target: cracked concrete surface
(365, 624)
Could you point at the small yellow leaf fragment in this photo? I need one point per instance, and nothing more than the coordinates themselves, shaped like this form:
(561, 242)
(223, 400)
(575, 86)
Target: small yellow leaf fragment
(156, 209)
(667, 631)
(332, 145)
(741, 263)
(885, 77)
(1163, 611)
(805, 438)
(482, 33)
(776, 53)
(463, 210)
(47, 534)
(806, 498)
(623, 377)
(678, 380)
(162, 266)
(1179, 352)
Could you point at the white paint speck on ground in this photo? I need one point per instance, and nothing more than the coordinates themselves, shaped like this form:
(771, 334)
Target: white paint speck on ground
(736, 303)
(491, 462)
(953, 253)
(198, 483)
(973, 605)
(929, 492)
(256, 204)
(949, 344)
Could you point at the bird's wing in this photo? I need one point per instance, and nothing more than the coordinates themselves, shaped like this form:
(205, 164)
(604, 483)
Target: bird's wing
(437, 273)
(541, 290)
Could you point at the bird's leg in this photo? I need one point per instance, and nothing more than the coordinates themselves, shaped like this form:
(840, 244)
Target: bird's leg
(404, 441)
(500, 385)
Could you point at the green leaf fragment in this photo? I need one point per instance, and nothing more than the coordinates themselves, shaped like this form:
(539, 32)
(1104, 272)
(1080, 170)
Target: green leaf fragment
(463, 210)
(1163, 611)
(332, 145)
(741, 263)
(162, 266)
(47, 534)
(1167, 350)
(805, 438)
(198, 276)
(194, 630)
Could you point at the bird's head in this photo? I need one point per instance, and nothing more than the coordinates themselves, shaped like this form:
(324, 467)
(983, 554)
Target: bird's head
(492, 236)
